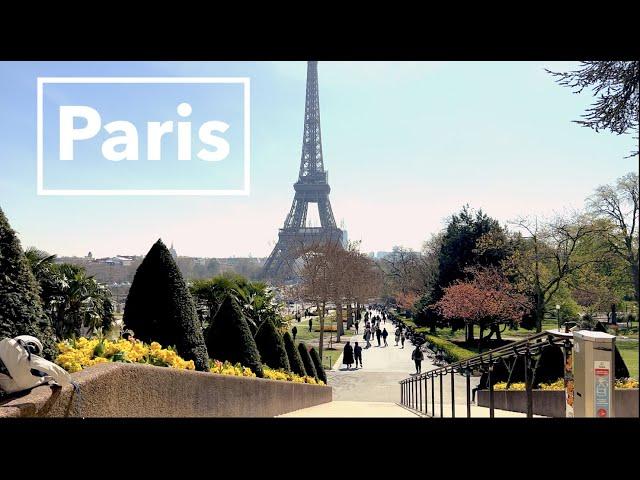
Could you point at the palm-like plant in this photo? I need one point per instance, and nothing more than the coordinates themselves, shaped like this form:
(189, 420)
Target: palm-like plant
(73, 300)
(256, 299)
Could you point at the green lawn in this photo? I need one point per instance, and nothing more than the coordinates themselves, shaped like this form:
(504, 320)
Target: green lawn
(333, 354)
(629, 352)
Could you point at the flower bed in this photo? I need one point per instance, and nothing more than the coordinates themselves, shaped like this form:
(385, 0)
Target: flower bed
(520, 386)
(77, 354)
(627, 383)
(621, 383)
(283, 375)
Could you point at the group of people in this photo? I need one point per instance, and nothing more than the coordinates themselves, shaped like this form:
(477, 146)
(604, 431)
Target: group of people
(374, 327)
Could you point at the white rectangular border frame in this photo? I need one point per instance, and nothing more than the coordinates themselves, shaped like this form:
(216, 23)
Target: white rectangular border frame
(106, 192)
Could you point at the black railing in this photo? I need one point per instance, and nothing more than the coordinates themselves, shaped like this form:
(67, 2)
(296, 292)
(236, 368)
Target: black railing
(482, 363)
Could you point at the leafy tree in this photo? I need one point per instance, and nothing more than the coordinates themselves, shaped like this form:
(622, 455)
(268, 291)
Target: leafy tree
(229, 337)
(616, 84)
(619, 206)
(271, 346)
(295, 361)
(487, 299)
(317, 363)
(21, 310)
(547, 256)
(159, 307)
(309, 367)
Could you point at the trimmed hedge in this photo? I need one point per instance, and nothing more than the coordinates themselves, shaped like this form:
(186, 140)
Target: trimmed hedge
(229, 338)
(21, 311)
(160, 308)
(453, 353)
(295, 361)
(271, 346)
(315, 358)
(306, 361)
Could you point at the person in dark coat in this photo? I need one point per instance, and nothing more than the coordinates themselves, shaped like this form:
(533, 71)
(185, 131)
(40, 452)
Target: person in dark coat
(347, 355)
(357, 353)
(294, 332)
(310, 324)
(356, 325)
(378, 333)
(384, 336)
(417, 356)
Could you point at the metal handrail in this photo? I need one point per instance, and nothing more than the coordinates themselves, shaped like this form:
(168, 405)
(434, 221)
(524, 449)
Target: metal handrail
(411, 387)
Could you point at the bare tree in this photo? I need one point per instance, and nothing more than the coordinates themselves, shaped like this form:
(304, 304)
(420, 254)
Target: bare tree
(618, 205)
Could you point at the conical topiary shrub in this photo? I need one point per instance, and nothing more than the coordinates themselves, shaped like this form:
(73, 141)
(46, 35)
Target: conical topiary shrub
(229, 338)
(295, 361)
(160, 308)
(315, 358)
(21, 310)
(271, 346)
(306, 360)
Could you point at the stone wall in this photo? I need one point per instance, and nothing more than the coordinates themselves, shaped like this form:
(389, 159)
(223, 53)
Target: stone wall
(132, 390)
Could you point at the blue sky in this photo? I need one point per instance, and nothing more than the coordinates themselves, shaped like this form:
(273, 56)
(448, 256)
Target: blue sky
(405, 143)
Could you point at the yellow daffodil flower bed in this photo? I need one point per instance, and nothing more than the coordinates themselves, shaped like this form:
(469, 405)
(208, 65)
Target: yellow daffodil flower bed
(622, 383)
(227, 368)
(77, 354)
(83, 352)
(520, 386)
(283, 375)
(626, 383)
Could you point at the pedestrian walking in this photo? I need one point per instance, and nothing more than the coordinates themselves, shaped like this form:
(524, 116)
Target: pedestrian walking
(367, 336)
(294, 332)
(417, 356)
(397, 335)
(347, 355)
(384, 336)
(402, 338)
(310, 323)
(356, 325)
(357, 353)
(378, 333)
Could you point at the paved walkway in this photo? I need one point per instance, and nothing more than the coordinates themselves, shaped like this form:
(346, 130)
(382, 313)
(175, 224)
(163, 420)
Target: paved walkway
(373, 391)
(346, 409)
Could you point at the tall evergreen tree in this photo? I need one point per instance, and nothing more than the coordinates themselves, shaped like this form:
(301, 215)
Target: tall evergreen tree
(271, 346)
(315, 358)
(306, 360)
(295, 361)
(229, 337)
(21, 310)
(160, 308)
(459, 250)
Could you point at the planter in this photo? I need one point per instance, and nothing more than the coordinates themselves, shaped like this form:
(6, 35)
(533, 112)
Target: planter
(550, 403)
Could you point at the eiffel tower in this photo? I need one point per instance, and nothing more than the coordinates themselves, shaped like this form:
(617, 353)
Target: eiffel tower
(312, 187)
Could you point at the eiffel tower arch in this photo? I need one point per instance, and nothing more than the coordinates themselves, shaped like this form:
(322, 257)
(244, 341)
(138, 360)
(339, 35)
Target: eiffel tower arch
(312, 187)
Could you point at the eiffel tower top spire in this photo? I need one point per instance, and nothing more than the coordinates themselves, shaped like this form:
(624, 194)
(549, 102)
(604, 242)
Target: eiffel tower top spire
(311, 163)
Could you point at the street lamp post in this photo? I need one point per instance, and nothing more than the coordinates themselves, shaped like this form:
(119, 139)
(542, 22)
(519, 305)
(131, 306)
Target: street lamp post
(558, 315)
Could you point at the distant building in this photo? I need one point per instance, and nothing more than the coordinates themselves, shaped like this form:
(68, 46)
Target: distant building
(174, 254)
(90, 256)
(381, 255)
